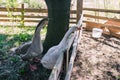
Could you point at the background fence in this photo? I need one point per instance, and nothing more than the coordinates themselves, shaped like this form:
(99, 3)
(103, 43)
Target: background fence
(24, 16)
(30, 17)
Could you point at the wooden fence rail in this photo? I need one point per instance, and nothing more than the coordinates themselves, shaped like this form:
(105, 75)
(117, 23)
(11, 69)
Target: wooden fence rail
(100, 17)
(102, 10)
(74, 40)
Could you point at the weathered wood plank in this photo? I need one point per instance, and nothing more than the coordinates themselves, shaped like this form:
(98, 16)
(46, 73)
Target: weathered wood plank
(67, 52)
(72, 58)
(18, 20)
(75, 44)
(57, 68)
(102, 10)
(79, 8)
(100, 17)
(28, 16)
(98, 25)
(29, 10)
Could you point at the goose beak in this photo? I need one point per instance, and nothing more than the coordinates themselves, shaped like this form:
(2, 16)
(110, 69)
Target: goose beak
(78, 28)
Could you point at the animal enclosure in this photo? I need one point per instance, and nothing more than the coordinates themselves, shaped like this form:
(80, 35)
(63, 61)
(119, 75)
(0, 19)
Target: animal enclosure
(85, 18)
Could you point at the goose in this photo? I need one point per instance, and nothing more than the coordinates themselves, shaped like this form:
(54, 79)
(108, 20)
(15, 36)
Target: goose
(49, 59)
(35, 47)
(25, 48)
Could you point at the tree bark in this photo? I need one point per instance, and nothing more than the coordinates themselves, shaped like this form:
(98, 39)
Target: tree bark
(58, 24)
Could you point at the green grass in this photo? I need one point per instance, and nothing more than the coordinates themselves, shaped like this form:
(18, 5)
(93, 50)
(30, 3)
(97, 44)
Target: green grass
(14, 36)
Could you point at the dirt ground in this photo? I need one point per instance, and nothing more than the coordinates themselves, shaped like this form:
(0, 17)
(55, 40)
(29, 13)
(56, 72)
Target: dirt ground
(97, 59)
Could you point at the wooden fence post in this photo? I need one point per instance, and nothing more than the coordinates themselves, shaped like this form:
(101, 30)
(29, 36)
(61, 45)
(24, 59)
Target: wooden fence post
(79, 9)
(22, 15)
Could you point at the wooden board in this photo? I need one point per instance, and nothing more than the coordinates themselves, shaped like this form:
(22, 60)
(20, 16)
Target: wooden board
(110, 29)
(91, 25)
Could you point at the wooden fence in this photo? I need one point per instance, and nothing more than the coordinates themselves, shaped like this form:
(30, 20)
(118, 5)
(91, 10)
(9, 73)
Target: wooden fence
(22, 14)
(26, 15)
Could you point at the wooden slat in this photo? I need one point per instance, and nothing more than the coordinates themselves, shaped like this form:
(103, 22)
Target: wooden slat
(25, 16)
(29, 16)
(36, 10)
(73, 22)
(36, 21)
(30, 10)
(90, 25)
(8, 20)
(75, 44)
(45, 10)
(72, 58)
(68, 49)
(26, 10)
(76, 41)
(57, 68)
(18, 25)
(79, 8)
(80, 21)
(6, 16)
(31, 20)
(100, 17)
(10, 9)
(3, 15)
(101, 24)
(102, 10)
(73, 12)
(73, 18)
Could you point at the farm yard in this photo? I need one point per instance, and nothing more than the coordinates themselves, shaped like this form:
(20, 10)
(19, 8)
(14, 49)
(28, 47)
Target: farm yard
(97, 59)
(43, 42)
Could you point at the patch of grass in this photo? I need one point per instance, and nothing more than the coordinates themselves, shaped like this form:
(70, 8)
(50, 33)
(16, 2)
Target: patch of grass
(117, 77)
(11, 68)
(15, 36)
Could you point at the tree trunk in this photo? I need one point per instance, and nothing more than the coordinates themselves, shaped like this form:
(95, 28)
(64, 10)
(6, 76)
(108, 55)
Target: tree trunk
(58, 14)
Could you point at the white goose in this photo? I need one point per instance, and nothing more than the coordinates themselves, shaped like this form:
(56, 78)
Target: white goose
(36, 47)
(50, 58)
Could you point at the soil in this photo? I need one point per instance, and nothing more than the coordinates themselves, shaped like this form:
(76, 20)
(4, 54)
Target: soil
(97, 59)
